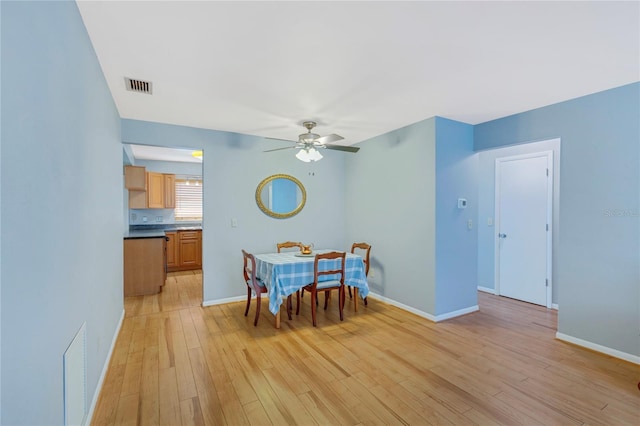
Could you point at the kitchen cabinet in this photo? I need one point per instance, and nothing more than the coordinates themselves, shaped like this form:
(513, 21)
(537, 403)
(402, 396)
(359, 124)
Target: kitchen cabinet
(144, 265)
(190, 249)
(155, 190)
(135, 178)
(137, 199)
(173, 251)
(169, 191)
(159, 190)
(186, 250)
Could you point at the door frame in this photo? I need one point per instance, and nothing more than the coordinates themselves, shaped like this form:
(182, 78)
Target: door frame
(550, 169)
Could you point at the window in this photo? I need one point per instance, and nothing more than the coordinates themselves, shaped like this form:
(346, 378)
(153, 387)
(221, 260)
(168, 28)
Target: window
(188, 198)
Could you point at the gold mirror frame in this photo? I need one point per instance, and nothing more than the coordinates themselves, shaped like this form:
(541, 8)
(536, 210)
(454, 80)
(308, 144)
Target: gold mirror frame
(271, 213)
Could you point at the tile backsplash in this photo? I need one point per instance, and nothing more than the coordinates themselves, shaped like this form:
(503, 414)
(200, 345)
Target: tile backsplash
(151, 216)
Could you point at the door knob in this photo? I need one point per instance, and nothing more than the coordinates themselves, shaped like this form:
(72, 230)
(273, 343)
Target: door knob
(502, 235)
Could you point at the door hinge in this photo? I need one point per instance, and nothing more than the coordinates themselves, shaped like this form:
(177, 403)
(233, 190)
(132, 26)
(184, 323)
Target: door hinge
(547, 227)
(547, 172)
(546, 282)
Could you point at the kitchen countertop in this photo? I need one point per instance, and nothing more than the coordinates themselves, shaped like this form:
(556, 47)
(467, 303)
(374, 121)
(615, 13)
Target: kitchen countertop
(157, 231)
(152, 233)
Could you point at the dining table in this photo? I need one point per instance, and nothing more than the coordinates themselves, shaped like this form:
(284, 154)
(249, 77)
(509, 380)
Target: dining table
(287, 272)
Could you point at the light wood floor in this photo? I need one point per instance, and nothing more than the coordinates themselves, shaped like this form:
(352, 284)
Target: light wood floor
(178, 363)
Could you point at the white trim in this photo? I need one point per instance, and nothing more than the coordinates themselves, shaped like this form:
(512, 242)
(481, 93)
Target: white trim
(457, 313)
(105, 368)
(599, 348)
(550, 167)
(430, 317)
(554, 306)
(403, 306)
(206, 303)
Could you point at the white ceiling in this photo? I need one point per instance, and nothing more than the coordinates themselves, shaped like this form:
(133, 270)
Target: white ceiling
(360, 69)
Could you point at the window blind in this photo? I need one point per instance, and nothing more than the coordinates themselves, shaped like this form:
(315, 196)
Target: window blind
(188, 199)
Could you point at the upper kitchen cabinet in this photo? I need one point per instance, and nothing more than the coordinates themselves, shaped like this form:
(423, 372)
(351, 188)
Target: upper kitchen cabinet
(150, 190)
(135, 178)
(169, 191)
(155, 190)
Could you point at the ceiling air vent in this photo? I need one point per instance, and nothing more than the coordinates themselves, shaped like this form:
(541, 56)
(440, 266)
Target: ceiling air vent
(138, 85)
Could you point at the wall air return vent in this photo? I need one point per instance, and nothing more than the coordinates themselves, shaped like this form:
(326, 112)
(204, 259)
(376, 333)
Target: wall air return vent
(138, 85)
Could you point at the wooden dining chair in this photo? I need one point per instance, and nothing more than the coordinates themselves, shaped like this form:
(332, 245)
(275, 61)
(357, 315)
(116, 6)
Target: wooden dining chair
(326, 285)
(253, 284)
(363, 249)
(288, 244)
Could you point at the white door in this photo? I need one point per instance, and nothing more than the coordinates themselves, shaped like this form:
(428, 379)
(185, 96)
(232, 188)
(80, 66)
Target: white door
(524, 192)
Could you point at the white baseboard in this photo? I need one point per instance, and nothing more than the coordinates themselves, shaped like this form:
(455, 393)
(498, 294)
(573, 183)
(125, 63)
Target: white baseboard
(223, 301)
(105, 368)
(430, 317)
(457, 313)
(493, 291)
(599, 348)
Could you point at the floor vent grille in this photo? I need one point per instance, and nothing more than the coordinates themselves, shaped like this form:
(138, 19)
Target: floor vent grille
(139, 86)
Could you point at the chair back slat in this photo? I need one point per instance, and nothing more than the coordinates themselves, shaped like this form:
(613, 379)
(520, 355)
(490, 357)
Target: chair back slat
(289, 244)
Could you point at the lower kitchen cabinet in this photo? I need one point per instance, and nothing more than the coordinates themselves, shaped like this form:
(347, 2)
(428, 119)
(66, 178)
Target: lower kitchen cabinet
(185, 247)
(144, 266)
(173, 253)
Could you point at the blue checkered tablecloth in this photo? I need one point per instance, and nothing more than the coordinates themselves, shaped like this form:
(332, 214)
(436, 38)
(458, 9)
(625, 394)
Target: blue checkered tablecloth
(285, 273)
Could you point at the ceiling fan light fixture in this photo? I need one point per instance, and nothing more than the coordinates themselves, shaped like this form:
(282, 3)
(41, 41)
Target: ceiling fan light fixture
(308, 154)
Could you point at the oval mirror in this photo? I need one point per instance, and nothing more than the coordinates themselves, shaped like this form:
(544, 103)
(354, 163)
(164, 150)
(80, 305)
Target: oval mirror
(281, 196)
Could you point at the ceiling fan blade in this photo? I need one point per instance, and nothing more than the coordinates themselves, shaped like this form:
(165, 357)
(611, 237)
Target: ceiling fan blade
(343, 148)
(328, 139)
(284, 140)
(279, 149)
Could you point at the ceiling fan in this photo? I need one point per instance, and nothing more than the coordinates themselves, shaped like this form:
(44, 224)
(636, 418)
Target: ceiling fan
(309, 143)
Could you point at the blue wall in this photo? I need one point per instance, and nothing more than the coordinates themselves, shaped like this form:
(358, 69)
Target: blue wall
(62, 219)
(390, 196)
(456, 244)
(401, 197)
(598, 267)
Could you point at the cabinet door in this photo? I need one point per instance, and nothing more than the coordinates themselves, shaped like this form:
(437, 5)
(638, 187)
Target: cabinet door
(172, 250)
(189, 253)
(169, 191)
(199, 250)
(137, 199)
(155, 190)
(135, 178)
